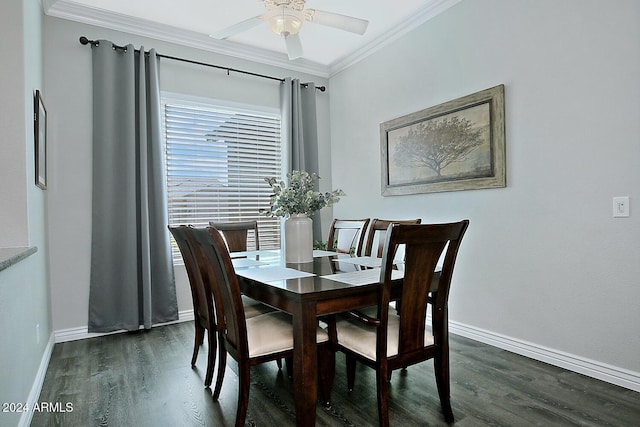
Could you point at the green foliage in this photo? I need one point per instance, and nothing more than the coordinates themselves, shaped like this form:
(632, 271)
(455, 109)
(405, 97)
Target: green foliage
(299, 197)
(320, 245)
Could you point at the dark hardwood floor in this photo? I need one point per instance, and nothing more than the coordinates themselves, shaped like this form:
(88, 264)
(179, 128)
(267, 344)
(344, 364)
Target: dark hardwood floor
(145, 379)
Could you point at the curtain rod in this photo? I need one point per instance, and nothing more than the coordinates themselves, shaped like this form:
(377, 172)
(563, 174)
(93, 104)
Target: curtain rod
(86, 41)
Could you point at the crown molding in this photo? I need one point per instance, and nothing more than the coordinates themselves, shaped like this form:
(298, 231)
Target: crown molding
(68, 9)
(430, 10)
(72, 11)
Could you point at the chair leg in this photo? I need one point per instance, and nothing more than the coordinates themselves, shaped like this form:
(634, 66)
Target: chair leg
(351, 371)
(327, 370)
(243, 393)
(279, 363)
(382, 381)
(441, 369)
(288, 361)
(199, 338)
(222, 366)
(211, 357)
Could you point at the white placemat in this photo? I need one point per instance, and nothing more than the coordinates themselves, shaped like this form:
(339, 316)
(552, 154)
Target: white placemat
(269, 253)
(320, 253)
(366, 261)
(362, 277)
(247, 262)
(270, 274)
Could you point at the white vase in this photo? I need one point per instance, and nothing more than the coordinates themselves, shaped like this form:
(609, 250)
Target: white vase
(298, 239)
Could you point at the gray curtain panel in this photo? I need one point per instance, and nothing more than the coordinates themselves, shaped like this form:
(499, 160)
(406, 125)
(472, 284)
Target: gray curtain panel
(132, 280)
(300, 131)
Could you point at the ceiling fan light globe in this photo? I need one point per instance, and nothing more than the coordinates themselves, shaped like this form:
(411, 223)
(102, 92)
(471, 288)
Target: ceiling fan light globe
(284, 21)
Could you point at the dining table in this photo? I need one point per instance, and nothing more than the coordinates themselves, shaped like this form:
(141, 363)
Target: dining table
(333, 283)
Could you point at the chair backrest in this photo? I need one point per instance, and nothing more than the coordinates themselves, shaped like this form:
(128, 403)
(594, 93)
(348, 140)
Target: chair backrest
(236, 234)
(202, 301)
(345, 234)
(217, 271)
(377, 232)
(424, 245)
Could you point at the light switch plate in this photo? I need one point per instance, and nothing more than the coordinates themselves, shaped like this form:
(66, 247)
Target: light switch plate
(621, 207)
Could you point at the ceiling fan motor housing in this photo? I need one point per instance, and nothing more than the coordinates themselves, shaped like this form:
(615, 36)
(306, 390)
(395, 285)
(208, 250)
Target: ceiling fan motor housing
(291, 4)
(285, 17)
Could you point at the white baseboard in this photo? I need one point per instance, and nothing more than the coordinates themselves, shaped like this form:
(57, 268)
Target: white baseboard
(34, 394)
(82, 332)
(591, 368)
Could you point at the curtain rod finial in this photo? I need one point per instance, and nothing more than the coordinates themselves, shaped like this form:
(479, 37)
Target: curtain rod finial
(85, 41)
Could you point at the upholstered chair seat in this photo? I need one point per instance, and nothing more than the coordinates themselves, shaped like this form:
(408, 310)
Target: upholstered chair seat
(273, 333)
(253, 308)
(361, 338)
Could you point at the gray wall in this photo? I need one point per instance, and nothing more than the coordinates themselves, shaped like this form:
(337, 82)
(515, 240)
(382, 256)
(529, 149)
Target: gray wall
(24, 296)
(13, 186)
(543, 264)
(68, 77)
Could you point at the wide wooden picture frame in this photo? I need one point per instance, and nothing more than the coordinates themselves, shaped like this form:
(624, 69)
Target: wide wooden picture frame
(40, 130)
(457, 145)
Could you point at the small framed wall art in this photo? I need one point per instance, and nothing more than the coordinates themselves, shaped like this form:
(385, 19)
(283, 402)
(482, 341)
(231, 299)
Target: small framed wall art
(40, 130)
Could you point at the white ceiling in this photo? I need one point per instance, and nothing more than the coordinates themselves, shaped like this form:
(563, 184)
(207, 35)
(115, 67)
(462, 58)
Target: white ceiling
(189, 22)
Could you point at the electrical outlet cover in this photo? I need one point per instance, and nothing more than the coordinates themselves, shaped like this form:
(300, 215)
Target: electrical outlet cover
(620, 207)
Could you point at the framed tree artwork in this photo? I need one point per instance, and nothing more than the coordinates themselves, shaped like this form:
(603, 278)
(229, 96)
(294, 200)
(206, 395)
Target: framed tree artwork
(457, 145)
(40, 130)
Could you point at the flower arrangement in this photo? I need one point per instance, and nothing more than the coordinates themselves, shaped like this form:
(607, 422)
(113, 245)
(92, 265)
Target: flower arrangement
(299, 197)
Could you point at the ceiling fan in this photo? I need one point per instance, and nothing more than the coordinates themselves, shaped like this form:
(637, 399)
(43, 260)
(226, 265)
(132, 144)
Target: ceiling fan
(285, 18)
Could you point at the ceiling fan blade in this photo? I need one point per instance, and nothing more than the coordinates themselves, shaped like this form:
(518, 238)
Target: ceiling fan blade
(294, 47)
(335, 20)
(238, 28)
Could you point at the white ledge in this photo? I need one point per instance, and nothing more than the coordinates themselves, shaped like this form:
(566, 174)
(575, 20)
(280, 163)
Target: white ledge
(11, 256)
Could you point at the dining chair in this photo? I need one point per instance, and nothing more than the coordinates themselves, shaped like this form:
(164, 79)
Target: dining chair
(249, 341)
(236, 234)
(377, 231)
(203, 308)
(390, 341)
(203, 305)
(346, 235)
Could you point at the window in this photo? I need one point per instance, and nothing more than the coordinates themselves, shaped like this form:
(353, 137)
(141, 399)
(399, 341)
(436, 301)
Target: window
(217, 158)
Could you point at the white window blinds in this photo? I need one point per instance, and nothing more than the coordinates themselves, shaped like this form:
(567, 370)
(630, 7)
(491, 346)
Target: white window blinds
(217, 159)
